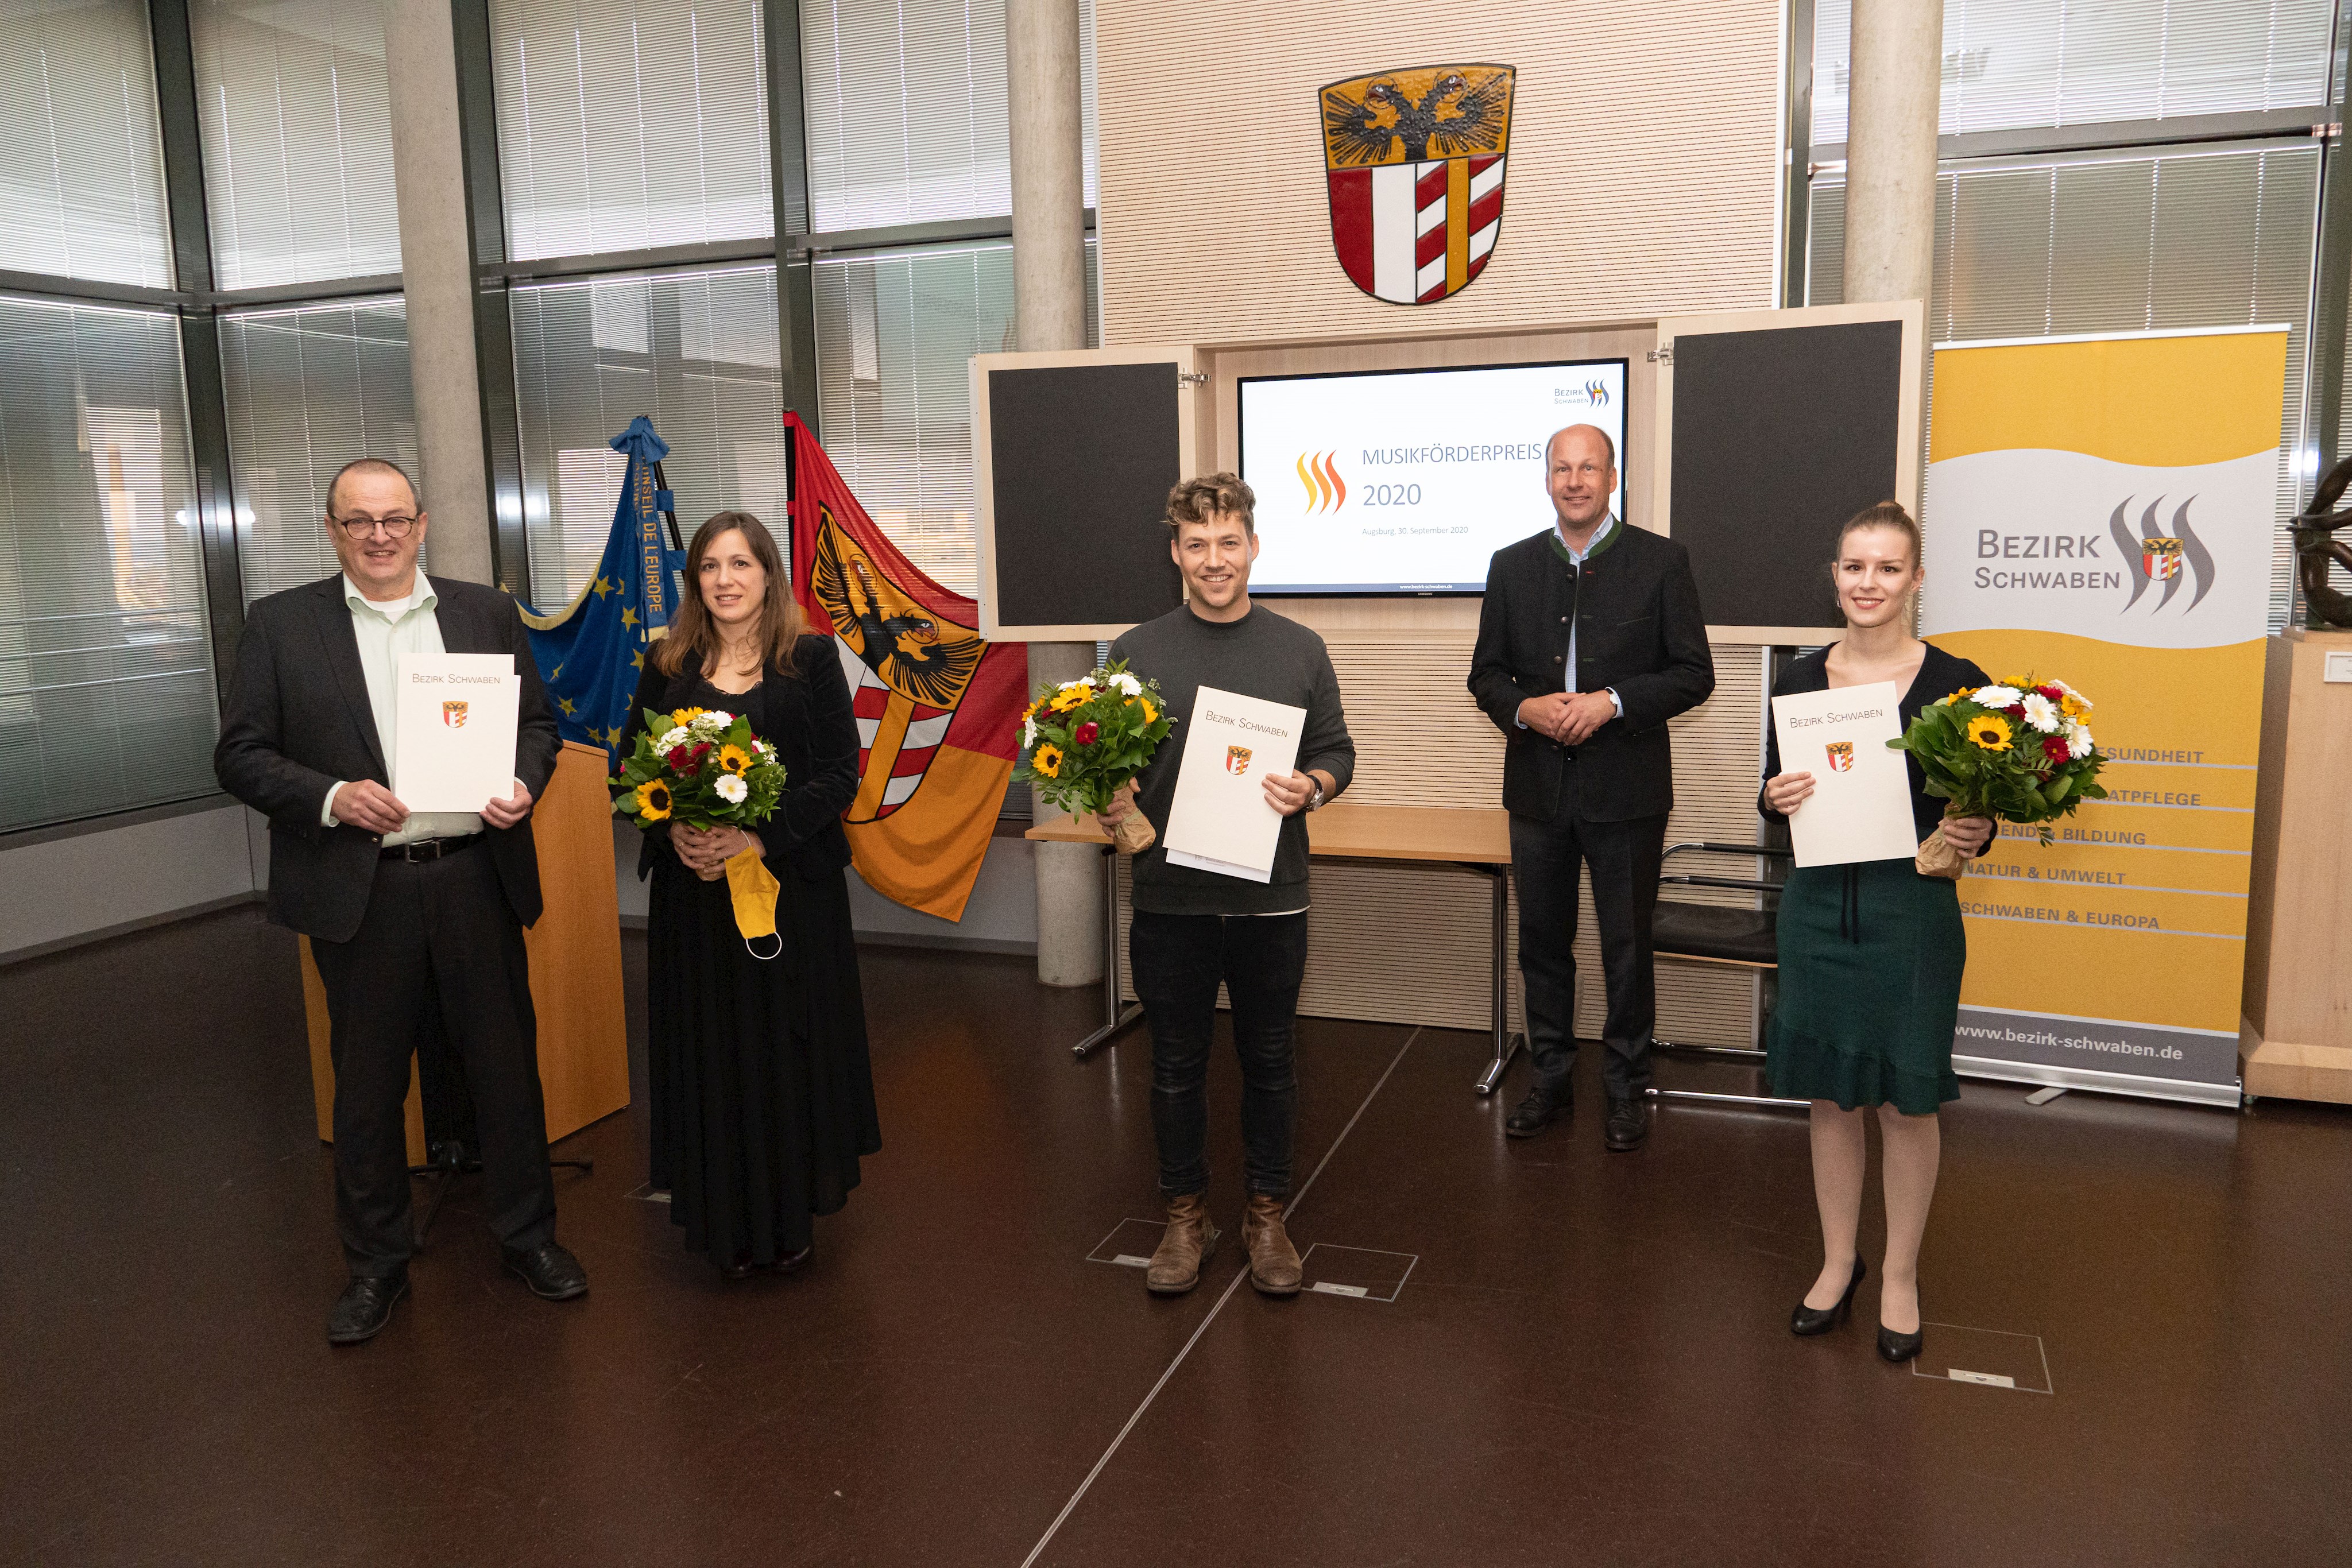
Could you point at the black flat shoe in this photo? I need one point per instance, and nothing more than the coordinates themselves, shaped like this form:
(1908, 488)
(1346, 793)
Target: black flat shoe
(552, 1273)
(1898, 1348)
(1543, 1101)
(1628, 1124)
(741, 1269)
(794, 1261)
(1809, 1320)
(364, 1307)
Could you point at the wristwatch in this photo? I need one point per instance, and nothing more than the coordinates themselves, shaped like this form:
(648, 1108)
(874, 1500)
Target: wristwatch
(1315, 799)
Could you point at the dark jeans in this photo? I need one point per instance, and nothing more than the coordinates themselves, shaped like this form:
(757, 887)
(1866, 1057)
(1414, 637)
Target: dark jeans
(1545, 859)
(439, 936)
(1177, 961)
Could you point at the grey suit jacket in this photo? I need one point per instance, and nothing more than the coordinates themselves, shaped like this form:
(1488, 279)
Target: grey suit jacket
(296, 720)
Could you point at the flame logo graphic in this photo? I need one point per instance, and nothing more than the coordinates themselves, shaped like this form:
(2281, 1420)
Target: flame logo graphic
(1599, 393)
(1325, 491)
(2153, 542)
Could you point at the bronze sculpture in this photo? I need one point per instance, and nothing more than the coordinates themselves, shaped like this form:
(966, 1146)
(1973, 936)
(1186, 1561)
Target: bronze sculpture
(2315, 544)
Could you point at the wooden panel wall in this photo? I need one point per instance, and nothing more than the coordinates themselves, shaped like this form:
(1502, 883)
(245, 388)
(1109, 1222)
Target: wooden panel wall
(1643, 179)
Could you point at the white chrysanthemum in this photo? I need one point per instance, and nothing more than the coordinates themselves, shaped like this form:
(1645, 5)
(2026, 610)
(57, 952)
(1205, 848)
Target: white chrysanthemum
(1128, 683)
(713, 721)
(671, 737)
(2042, 713)
(732, 788)
(1994, 696)
(2078, 740)
(1028, 732)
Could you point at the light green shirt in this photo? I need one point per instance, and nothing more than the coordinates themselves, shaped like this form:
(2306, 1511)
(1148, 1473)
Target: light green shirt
(387, 629)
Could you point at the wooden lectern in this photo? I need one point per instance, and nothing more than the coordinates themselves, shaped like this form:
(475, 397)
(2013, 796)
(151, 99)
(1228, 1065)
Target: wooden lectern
(575, 964)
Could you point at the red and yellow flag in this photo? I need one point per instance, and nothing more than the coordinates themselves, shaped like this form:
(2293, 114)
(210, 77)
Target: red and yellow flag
(938, 707)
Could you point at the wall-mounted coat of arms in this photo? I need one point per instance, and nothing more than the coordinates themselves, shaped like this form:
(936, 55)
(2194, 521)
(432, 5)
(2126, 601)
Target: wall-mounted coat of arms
(1414, 159)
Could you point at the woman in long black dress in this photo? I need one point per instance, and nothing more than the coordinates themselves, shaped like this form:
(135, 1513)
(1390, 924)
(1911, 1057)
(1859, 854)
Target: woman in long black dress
(762, 1095)
(1870, 955)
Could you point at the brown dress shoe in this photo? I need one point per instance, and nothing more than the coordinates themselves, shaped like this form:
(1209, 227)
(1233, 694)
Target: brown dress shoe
(1184, 1246)
(1273, 1261)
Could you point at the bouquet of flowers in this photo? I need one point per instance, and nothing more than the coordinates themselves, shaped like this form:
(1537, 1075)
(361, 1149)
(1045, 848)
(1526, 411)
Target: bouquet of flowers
(698, 767)
(2017, 751)
(1082, 740)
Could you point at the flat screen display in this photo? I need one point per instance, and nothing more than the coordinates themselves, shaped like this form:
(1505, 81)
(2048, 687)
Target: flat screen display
(1406, 482)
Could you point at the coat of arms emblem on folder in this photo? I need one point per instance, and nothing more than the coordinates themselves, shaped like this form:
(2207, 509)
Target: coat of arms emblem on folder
(1841, 755)
(1414, 161)
(1238, 758)
(453, 714)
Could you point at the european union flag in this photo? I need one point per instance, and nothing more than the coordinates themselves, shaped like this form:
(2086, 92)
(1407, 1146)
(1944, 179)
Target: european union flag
(591, 652)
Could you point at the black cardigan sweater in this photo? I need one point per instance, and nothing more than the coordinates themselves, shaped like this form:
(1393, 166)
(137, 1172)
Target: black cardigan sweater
(806, 715)
(1940, 675)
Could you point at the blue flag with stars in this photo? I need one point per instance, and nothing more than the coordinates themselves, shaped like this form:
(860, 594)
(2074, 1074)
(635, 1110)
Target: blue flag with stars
(592, 652)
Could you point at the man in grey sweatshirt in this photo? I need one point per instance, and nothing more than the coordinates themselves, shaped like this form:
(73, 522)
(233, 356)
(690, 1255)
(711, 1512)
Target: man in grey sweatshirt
(1196, 929)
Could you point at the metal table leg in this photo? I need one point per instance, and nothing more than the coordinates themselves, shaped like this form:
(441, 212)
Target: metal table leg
(1507, 1043)
(1115, 1017)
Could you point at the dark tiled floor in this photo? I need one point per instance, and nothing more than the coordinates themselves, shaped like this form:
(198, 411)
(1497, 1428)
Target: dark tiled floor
(1589, 1362)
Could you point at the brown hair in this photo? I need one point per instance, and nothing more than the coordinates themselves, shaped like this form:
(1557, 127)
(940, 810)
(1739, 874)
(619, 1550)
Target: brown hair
(694, 632)
(1885, 515)
(1198, 500)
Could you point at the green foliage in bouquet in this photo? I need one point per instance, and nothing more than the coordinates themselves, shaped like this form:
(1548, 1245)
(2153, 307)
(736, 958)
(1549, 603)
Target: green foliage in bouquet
(1081, 741)
(2017, 751)
(699, 766)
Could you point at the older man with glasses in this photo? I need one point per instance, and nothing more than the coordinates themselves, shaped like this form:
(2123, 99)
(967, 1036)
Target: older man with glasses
(413, 916)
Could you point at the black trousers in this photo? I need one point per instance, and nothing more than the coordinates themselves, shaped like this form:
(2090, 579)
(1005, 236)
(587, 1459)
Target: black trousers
(1178, 962)
(439, 937)
(1545, 861)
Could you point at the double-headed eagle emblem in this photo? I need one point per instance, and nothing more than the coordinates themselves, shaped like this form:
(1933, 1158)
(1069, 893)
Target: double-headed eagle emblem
(1414, 161)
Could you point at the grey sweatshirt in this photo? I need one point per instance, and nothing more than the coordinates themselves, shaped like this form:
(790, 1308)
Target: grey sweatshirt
(1260, 655)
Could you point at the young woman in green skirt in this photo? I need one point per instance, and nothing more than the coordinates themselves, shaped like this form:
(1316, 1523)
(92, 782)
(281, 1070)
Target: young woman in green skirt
(1870, 955)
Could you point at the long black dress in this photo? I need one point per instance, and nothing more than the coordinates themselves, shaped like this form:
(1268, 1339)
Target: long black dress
(763, 1093)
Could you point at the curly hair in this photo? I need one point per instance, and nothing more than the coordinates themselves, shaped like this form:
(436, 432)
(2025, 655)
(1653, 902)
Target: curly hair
(1198, 500)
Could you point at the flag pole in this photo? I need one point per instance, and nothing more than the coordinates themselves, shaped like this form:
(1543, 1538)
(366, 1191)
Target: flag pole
(661, 488)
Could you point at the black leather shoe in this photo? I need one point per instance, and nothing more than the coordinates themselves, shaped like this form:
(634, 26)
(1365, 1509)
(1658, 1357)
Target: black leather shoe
(1628, 1124)
(364, 1307)
(792, 1260)
(552, 1273)
(1808, 1320)
(1899, 1347)
(1544, 1100)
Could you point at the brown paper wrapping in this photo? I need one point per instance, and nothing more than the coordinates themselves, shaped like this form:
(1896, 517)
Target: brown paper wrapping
(1937, 858)
(1134, 835)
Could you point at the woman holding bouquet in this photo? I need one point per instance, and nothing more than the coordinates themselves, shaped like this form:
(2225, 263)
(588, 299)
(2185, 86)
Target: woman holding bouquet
(1871, 954)
(762, 1096)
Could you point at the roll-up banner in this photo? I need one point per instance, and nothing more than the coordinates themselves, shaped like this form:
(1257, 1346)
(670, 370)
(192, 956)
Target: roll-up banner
(2103, 510)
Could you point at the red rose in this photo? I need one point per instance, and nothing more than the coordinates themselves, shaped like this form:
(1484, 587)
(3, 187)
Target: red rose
(1086, 732)
(2015, 710)
(2053, 693)
(2053, 748)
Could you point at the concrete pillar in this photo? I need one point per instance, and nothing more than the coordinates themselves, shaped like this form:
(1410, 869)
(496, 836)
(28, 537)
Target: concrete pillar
(1049, 302)
(1890, 150)
(428, 172)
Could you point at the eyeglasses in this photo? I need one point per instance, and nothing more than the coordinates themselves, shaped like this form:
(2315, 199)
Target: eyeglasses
(360, 528)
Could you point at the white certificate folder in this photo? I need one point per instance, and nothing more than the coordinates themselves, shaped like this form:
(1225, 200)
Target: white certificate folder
(1860, 809)
(1220, 821)
(454, 720)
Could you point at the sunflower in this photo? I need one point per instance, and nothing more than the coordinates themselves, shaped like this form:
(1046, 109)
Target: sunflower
(1989, 731)
(1150, 713)
(1955, 696)
(734, 758)
(652, 800)
(2073, 707)
(1031, 711)
(1065, 701)
(2022, 682)
(687, 716)
(1047, 761)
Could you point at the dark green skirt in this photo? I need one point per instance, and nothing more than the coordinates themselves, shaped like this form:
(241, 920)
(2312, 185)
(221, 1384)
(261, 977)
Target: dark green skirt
(1870, 957)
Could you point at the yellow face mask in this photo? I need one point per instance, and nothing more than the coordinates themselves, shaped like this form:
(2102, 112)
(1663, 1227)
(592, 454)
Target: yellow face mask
(753, 889)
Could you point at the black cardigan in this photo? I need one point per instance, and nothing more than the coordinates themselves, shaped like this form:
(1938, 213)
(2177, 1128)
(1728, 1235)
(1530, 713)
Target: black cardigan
(807, 717)
(1940, 675)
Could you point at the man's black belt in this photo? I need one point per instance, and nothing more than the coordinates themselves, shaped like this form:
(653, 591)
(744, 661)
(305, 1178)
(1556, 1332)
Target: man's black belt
(431, 849)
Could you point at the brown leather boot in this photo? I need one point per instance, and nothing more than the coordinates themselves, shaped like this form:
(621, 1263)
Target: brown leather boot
(1184, 1246)
(1273, 1261)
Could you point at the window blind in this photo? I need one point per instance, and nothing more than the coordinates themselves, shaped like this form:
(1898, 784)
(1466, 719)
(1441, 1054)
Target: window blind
(81, 158)
(2196, 236)
(895, 332)
(905, 110)
(625, 126)
(696, 352)
(295, 112)
(309, 390)
(2019, 63)
(106, 673)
